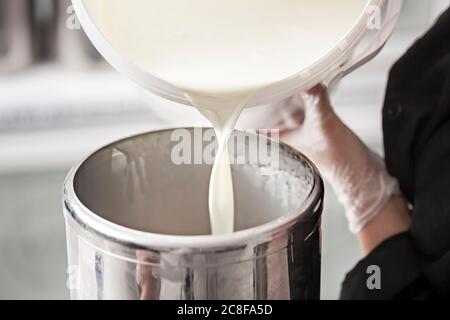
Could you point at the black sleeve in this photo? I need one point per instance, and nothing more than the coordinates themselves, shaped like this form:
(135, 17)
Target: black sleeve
(416, 125)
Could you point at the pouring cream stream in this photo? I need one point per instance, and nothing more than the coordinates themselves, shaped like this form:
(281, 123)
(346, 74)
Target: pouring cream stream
(222, 52)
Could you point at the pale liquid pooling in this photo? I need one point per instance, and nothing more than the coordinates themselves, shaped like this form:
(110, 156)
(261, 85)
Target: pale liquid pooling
(220, 53)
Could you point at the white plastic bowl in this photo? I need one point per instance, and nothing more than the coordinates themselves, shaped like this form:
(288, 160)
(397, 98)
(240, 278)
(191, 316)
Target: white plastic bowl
(328, 69)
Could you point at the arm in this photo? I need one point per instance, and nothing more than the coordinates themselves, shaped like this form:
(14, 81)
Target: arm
(394, 218)
(412, 251)
(376, 209)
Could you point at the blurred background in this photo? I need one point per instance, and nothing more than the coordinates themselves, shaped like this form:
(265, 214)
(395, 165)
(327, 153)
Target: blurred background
(59, 101)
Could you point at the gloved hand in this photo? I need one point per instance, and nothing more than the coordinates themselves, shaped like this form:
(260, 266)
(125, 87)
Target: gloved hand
(358, 175)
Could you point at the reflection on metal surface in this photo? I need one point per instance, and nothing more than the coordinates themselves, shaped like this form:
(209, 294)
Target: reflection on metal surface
(274, 255)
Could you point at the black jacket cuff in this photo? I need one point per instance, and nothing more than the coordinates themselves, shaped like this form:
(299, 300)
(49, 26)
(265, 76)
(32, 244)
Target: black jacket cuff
(399, 267)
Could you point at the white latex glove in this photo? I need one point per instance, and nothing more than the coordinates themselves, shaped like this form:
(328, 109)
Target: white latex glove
(357, 175)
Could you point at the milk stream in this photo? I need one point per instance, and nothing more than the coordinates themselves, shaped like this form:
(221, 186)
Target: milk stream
(223, 114)
(220, 53)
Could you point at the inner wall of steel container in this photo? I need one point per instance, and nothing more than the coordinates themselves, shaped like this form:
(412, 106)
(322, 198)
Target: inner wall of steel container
(137, 183)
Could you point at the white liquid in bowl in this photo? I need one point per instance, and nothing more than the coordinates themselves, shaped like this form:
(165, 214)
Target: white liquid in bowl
(220, 53)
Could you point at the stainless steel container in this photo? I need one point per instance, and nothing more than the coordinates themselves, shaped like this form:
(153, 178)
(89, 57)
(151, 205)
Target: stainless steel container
(16, 48)
(138, 226)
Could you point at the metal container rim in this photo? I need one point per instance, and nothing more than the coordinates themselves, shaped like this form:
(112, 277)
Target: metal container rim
(90, 221)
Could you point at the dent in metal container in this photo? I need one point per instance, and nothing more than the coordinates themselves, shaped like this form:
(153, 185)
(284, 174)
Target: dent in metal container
(138, 226)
